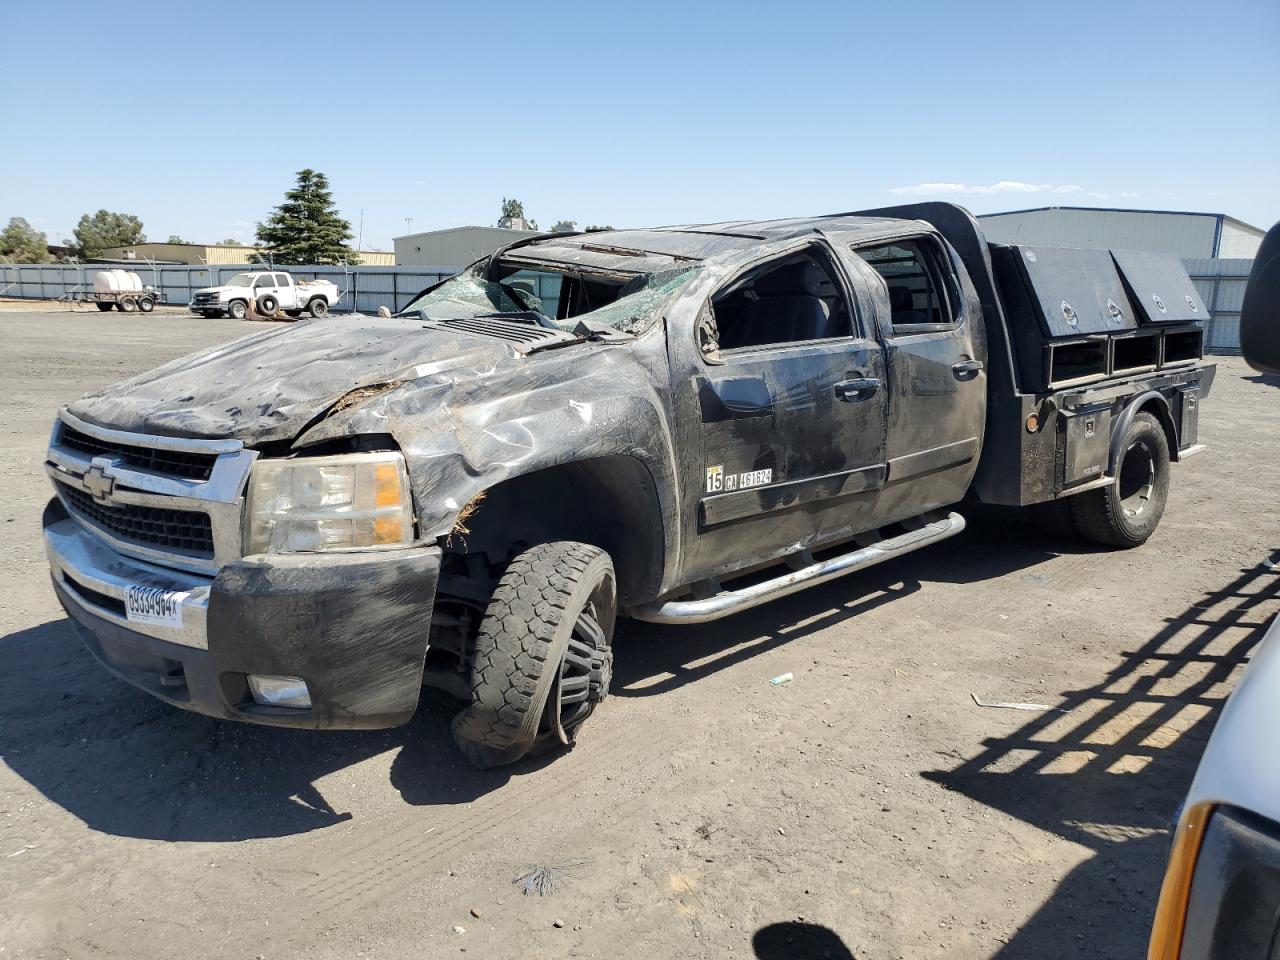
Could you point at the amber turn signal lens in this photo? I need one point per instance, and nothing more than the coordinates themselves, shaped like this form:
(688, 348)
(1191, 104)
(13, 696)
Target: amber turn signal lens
(1033, 423)
(387, 485)
(1171, 912)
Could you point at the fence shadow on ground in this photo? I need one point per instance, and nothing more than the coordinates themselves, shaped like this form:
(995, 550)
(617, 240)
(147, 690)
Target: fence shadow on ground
(1109, 767)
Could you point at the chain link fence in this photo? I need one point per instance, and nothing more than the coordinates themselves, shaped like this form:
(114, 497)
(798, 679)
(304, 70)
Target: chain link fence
(363, 289)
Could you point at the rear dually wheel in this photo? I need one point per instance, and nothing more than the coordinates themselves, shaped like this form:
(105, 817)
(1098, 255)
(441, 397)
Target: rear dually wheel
(1127, 511)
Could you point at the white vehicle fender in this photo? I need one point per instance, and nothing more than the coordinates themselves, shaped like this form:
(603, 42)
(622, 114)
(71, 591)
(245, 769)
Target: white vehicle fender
(1240, 765)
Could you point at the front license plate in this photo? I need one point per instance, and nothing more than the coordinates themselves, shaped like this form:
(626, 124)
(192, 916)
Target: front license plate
(154, 606)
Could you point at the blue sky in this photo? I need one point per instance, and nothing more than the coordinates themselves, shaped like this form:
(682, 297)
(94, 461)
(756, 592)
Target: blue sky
(633, 114)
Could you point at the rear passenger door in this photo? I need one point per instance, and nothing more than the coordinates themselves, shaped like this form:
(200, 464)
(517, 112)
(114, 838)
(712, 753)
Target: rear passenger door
(792, 412)
(935, 354)
(285, 291)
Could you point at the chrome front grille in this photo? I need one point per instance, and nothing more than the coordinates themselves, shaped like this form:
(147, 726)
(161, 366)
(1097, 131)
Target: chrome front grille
(170, 463)
(170, 501)
(184, 531)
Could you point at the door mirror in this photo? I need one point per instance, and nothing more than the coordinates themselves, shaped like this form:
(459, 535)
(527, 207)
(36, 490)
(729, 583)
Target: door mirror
(1260, 312)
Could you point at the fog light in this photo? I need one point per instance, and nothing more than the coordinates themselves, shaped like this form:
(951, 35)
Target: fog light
(280, 691)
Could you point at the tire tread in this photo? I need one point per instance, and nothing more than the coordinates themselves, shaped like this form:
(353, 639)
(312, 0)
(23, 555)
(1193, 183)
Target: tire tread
(1095, 513)
(516, 639)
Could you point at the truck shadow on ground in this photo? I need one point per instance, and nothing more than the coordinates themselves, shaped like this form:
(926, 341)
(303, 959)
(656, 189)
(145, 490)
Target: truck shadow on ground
(1266, 379)
(652, 659)
(1110, 767)
(131, 766)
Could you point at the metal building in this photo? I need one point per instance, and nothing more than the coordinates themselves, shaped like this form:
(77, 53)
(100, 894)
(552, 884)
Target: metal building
(198, 253)
(454, 247)
(1190, 236)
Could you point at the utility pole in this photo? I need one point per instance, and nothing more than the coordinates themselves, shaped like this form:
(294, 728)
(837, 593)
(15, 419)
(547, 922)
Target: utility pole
(208, 269)
(408, 224)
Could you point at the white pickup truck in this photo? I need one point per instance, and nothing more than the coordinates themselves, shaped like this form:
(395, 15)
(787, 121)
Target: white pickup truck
(267, 292)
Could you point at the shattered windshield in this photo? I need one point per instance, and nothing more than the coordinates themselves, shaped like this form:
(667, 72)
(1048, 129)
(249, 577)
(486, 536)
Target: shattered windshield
(631, 307)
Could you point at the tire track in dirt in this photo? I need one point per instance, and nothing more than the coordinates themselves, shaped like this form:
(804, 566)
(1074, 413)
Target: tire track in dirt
(379, 858)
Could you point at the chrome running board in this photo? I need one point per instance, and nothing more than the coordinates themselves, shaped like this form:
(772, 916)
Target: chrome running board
(735, 601)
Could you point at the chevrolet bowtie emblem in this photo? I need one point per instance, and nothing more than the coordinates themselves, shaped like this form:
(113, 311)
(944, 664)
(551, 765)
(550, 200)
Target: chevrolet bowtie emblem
(98, 483)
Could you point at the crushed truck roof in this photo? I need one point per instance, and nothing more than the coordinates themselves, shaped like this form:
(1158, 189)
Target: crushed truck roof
(634, 251)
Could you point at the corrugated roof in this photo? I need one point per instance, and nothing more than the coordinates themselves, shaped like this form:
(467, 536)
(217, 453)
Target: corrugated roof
(1170, 213)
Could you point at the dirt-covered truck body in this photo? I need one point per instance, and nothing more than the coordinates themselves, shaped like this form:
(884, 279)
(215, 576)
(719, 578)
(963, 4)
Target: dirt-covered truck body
(304, 526)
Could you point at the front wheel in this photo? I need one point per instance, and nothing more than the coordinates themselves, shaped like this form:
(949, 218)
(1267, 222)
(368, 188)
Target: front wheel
(147, 304)
(542, 658)
(238, 309)
(1127, 511)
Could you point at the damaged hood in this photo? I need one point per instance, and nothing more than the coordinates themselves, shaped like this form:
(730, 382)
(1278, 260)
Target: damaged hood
(270, 386)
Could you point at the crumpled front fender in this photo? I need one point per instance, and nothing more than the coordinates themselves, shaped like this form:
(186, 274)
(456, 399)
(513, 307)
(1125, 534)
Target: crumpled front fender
(470, 430)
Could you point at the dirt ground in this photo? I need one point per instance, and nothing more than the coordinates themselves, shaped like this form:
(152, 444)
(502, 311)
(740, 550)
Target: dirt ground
(869, 808)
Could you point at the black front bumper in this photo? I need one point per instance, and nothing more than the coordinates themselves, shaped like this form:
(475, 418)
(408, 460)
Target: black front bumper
(353, 626)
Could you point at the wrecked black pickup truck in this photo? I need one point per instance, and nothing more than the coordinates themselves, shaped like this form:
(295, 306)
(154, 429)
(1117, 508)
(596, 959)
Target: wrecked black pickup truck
(304, 526)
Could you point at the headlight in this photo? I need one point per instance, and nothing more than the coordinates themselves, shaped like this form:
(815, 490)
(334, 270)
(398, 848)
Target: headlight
(328, 503)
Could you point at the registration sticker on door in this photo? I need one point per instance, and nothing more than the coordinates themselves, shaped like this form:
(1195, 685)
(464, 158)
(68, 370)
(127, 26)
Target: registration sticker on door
(154, 606)
(719, 481)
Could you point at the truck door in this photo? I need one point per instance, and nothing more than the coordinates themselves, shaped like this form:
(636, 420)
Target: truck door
(286, 293)
(935, 353)
(792, 406)
(263, 284)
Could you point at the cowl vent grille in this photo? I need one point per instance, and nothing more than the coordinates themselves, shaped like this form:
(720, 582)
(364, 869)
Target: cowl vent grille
(526, 336)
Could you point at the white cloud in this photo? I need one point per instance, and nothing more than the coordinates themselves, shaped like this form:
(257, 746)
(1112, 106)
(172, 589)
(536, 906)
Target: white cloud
(1002, 186)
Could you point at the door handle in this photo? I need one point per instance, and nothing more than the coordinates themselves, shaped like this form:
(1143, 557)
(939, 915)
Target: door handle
(966, 369)
(859, 388)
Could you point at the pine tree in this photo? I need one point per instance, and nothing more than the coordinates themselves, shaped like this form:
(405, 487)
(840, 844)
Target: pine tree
(306, 228)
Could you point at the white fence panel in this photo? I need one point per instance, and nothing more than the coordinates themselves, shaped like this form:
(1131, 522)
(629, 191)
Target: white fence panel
(362, 289)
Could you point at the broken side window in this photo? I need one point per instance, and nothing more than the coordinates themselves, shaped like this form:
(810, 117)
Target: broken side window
(561, 300)
(640, 301)
(791, 300)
